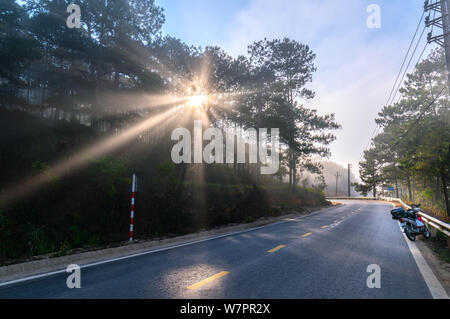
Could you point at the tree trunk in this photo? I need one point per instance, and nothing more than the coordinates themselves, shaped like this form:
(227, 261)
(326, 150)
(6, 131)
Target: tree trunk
(396, 186)
(438, 190)
(408, 182)
(290, 170)
(235, 139)
(424, 180)
(444, 188)
(294, 174)
(28, 90)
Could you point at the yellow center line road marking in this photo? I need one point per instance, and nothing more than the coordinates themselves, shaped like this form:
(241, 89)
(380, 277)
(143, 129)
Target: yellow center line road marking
(208, 280)
(323, 227)
(276, 249)
(306, 235)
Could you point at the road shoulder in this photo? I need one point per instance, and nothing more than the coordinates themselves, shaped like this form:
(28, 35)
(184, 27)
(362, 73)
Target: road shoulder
(439, 267)
(50, 266)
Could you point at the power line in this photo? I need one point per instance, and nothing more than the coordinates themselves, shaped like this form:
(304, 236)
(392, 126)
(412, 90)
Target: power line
(422, 113)
(418, 61)
(404, 60)
(430, 39)
(409, 63)
(376, 129)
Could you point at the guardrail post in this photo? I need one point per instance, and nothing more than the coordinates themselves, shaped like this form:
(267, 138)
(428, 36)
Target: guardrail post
(433, 231)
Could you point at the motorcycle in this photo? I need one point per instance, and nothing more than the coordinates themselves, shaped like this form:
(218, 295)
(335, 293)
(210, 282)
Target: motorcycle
(411, 222)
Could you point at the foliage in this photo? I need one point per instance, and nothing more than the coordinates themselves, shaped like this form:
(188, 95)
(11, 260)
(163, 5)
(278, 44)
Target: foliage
(413, 149)
(62, 90)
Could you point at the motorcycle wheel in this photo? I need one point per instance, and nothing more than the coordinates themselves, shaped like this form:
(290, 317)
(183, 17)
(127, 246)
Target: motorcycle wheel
(427, 233)
(410, 234)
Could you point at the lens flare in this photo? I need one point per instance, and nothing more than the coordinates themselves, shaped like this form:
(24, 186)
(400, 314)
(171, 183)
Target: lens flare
(83, 157)
(197, 101)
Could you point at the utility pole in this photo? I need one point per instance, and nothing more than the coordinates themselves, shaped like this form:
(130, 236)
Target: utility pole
(349, 182)
(441, 8)
(337, 181)
(445, 4)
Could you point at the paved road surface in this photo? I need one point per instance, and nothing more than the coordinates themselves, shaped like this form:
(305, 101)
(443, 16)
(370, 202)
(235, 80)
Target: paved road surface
(324, 255)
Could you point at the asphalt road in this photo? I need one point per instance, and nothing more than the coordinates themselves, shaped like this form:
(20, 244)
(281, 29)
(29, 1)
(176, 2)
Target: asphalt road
(324, 255)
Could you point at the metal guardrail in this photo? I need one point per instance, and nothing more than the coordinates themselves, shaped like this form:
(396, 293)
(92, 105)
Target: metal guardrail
(431, 221)
(354, 198)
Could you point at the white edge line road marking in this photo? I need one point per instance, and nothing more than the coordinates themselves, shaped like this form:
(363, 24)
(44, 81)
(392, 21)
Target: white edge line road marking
(57, 272)
(435, 287)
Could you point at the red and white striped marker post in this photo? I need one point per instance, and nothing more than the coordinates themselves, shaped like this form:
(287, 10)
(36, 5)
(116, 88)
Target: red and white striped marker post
(133, 192)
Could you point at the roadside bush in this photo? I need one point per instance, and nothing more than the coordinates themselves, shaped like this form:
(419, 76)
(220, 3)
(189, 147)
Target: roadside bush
(91, 206)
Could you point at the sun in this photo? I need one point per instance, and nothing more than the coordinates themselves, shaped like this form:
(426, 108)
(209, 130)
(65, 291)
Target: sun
(197, 101)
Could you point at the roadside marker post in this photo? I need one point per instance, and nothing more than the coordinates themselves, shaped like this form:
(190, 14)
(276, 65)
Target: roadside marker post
(133, 195)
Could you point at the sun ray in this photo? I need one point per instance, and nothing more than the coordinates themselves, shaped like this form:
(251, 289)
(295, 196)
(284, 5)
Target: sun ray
(82, 158)
(124, 102)
(196, 98)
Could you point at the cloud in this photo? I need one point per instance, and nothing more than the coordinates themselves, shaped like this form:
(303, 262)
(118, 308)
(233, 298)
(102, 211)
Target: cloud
(357, 66)
(303, 20)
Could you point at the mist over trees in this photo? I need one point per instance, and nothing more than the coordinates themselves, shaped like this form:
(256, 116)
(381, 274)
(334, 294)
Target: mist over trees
(412, 152)
(325, 178)
(108, 73)
(118, 70)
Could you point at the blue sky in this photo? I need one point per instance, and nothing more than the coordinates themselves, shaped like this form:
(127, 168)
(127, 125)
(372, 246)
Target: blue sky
(200, 22)
(357, 66)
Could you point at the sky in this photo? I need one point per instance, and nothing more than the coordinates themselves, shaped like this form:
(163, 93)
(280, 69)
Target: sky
(357, 65)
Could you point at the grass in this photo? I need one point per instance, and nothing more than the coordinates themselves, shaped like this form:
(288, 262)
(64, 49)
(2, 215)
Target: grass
(439, 245)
